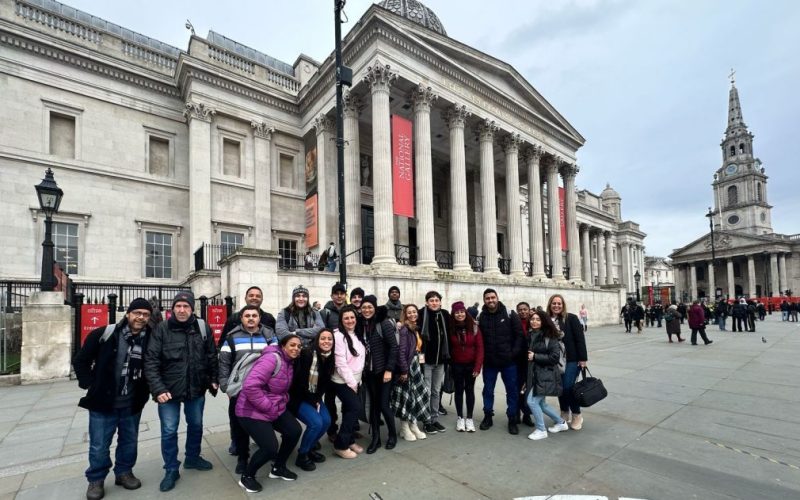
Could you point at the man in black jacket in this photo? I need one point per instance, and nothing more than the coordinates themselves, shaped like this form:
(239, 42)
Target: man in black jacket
(180, 366)
(503, 340)
(110, 366)
(252, 297)
(434, 325)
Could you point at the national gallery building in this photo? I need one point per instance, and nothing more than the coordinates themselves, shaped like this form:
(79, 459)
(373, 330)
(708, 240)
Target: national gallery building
(215, 166)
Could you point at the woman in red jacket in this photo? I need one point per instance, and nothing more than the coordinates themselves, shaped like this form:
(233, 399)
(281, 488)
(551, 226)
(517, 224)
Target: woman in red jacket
(697, 322)
(466, 351)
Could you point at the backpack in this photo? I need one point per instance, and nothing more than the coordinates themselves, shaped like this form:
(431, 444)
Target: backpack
(242, 368)
(562, 355)
(669, 317)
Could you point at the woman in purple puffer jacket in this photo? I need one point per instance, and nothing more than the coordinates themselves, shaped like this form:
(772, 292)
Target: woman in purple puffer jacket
(261, 410)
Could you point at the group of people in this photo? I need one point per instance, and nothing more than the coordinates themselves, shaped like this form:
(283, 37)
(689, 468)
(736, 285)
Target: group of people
(382, 362)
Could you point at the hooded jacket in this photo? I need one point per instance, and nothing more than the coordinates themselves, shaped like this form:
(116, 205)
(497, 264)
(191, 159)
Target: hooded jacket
(239, 343)
(263, 396)
(503, 338)
(382, 344)
(287, 323)
(330, 316)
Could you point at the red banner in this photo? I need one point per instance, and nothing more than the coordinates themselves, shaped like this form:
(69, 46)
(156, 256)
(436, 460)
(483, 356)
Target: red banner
(216, 315)
(312, 221)
(562, 215)
(650, 295)
(402, 167)
(92, 316)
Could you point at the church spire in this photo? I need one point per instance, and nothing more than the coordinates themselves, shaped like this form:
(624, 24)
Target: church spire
(735, 119)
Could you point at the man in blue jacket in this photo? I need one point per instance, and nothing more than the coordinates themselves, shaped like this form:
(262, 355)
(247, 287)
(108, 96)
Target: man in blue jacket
(503, 340)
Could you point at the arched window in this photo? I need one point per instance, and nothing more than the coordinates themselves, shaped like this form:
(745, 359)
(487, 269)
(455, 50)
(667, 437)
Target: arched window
(733, 150)
(733, 196)
(759, 196)
(741, 148)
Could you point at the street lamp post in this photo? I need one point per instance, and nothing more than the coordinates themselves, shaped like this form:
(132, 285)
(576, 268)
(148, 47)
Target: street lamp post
(49, 195)
(637, 278)
(344, 76)
(710, 216)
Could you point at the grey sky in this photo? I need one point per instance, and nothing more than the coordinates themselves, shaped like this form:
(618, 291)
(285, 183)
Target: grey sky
(645, 82)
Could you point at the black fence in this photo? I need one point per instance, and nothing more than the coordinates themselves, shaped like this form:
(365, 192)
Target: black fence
(504, 265)
(207, 257)
(14, 294)
(444, 259)
(405, 255)
(476, 262)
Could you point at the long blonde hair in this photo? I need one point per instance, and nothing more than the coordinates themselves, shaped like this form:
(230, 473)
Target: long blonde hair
(563, 305)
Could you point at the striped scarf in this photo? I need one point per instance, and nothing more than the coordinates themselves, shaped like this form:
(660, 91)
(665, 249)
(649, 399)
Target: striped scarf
(313, 371)
(132, 367)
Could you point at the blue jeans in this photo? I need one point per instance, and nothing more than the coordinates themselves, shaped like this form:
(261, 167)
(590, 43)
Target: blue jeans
(721, 322)
(102, 427)
(170, 415)
(316, 422)
(331, 266)
(509, 374)
(540, 408)
(566, 400)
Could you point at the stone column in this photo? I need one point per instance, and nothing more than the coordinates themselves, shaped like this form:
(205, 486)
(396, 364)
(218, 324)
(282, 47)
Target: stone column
(602, 277)
(352, 178)
(199, 117)
(486, 131)
(46, 338)
(554, 219)
(677, 272)
(731, 282)
(626, 279)
(511, 148)
(459, 223)
(262, 201)
(535, 232)
(751, 276)
(773, 275)
(326, 181)
(422, 98)
(587, 255)
(692, 281)
(609, 258)
(712, 286)
(380, 79)
(569, 172)
(782, 273)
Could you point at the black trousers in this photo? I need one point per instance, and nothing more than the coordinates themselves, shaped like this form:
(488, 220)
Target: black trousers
(330, 403)
(702, 332)
(263, 433)
(351, 407)
(751, 323)
(628, 324)
(379, 393)
(737, 324)
(465, 386)
(238, 434)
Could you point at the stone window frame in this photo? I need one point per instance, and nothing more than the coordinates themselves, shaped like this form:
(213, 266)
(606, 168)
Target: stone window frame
(79, 218)
(50, 106)
(143, 227)
(278, 149)
(159, 134)
(233, 136)
(219, 227)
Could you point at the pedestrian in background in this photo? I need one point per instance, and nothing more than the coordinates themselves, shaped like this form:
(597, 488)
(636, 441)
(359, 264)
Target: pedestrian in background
(697, 322)
(583, 315)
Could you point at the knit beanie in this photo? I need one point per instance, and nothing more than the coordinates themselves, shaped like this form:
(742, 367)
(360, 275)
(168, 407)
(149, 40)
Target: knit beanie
(187, 297)
(298, 290)
(357, 291)
(393, 288)
(140, 303)
(457, 306)
(338, 287)
(371, 299)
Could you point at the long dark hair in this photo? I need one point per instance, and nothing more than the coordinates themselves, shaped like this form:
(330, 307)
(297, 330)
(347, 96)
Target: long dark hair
(469, 323)
(548, 328)
(347, 339)
(315, 351)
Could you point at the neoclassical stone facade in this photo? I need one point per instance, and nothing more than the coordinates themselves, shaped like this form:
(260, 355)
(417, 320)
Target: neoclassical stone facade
(163, 152)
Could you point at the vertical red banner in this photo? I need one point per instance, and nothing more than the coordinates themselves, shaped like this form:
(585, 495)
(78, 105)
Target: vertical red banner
(92, 316)
(312, 221)
(650, 295)
(402, 167)
(562, 215)
(216, 315)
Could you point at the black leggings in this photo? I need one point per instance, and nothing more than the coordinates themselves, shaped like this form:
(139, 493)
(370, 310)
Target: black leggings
(379, 393)
(330, 403)
(464, 383)
(351, 407)
(263, 434)
(238, 434)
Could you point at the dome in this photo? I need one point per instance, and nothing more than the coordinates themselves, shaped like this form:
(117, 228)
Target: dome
(609, 192)
(416, 12)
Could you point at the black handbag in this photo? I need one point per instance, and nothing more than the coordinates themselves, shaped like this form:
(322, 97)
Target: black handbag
(449, 385)
(588, 390)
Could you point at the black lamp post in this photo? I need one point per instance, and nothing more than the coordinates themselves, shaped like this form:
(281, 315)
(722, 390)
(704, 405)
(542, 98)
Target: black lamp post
(637, 278)
(344, 76)
(49, 195)
(710, 216)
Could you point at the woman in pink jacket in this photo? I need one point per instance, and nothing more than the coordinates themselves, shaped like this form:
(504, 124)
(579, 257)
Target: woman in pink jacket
(261, 409)
(349, 357)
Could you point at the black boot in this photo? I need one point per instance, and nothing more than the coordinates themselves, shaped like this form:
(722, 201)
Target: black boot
(527, 421)
(375, 444)
(512, 426)
(486, 423)
(304, 462)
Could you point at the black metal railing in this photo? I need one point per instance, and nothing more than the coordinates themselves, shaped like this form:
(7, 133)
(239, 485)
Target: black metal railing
(548, 271)
(444, 258)
(14, 294)
(527, 268)
(294, 262)
(476, 262)
(405, 255)
(504, 265)
(207, 257)
(97, 293)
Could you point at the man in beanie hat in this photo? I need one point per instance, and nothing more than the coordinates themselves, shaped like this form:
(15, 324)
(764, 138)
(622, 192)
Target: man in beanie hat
(180, 366)
(299, 318)
(393, 307)
(110, 366)
(356, 296)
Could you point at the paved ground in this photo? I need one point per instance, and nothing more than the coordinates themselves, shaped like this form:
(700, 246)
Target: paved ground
(681, 421)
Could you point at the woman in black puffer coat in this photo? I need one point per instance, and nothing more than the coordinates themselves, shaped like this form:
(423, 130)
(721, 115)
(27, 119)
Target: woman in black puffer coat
(544, 378)
(378, 334)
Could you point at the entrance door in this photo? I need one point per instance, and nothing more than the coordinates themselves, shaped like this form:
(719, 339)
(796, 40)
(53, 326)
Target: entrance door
(367, 234)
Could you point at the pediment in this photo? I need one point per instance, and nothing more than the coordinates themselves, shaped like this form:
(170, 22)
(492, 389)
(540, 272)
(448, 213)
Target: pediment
(723, 241)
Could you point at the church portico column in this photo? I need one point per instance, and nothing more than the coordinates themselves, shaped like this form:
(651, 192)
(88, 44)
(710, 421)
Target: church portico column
(609, 258)
(455, 118)
(199, 117)
(536, 234)
(352, 177)
(774, 289)
(783, 285)
(423, 97)
(692, 281)
(514, 229)
(602, 277)
(569, 172)
(486, 132)
(678, 277)
(326, 192)
(731, 282)
(587, 254)
(751, 276)
(380, 79)
(625, 248)
(554, 219)
(712, 286)
(262, 134)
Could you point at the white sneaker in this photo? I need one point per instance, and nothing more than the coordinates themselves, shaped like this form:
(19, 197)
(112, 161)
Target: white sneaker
(416, 431)
(460, 425)
(469, 425)
(537, 435)
(559, 427)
